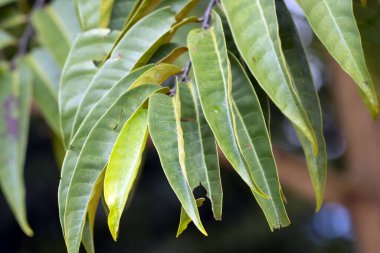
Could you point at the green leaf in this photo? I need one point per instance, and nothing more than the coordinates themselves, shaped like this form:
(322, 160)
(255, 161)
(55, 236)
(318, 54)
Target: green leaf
(5, 2)
(93, 157)
(88, 123)
(208, 53)
(46, 76)
(140, 10)
(334, 24)
(6, 39)
(15, 101)
(88, 13)
(123, 167)
(56, 27)
(106, 7)
(304, 85)
(254, 143)
(88, 48)
(255, 30)
(167, 136)
(185, 220)
(201, 154)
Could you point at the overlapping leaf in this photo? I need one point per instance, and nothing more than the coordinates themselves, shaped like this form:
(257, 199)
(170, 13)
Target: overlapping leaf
(15, 99)
(88, 48)
(123, 166)
(6, 39)
(304, 85)
(254, 143)
(88, 13)
(334, 24)
(93, 157)
(255, 30)
(211, 68)
(201, 156)
(167, 136)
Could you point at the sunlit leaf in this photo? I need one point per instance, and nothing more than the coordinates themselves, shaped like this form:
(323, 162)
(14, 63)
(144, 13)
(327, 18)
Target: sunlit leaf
(185, 220)
(123, 166)
(6, 39)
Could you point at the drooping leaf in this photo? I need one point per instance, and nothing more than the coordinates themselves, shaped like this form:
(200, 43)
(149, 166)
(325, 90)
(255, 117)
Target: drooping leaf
(93, 157)
(88, 13)
(304, 85)
(255, 30)
(88, 123)
(254, 143)
(123, 167)
(201, 155)
(141, 9)
(88, 48)
(212, 73)
(106, 7)
(133, 51)
(334, 24)
(15, 99)
(184, 219)
(46, 75)
(56, 27)
(369, 25)
(6, 39)
(167, 136)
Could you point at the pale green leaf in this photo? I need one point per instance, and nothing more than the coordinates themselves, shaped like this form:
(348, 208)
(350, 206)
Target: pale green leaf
(15, 100)
(255, 30)
(93, 157)
(304, 85)
(121, 11)
(201, 154)
(88, 13)
(5, 2)
(46, 75)
(56, 26)
(168, 53)
(6, 39)
(208, 53)
(123, 167)
(254, 143)
(334, 24)
(88, 48)
(167, 136)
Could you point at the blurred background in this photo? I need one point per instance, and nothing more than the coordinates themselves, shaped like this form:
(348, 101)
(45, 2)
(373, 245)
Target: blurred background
(348, 222)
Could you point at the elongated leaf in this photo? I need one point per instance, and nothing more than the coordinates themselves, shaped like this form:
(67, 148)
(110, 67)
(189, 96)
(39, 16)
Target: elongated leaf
(201, 155)
(56, 27)
(334, 24)
(304, 85)
(255, 30)
(211, 68)
(254, 143)
(88, 13)
(166, 132)
(6, 39)
(142, 8)
(46, 76)
(106, 7)
(15, 99)
(88, 48)
(5, 2)
(93, 157)
(88, 123)
(133, 51)
(123, 166)
(185, 220)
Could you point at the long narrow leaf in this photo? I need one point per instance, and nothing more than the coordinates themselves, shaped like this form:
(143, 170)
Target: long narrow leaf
(334, 24)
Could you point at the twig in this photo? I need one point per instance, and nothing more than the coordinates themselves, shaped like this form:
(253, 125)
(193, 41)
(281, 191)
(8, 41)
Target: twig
(207, 14)
(27, 35)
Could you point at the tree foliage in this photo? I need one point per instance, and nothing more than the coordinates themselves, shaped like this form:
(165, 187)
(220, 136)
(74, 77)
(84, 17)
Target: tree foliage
(106, 74)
